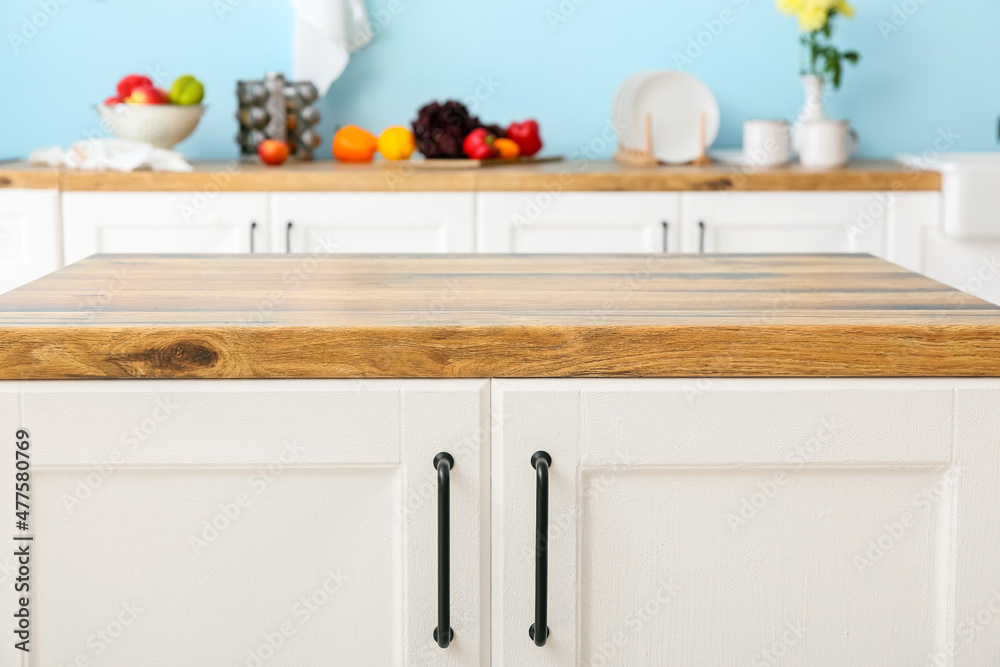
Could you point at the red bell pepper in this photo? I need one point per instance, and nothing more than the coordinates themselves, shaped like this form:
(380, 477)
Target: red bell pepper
(526, 136)
(478, 145)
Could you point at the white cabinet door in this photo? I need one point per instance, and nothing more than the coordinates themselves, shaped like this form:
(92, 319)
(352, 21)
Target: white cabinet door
(971, 266)
(373, 222)
(578, 222)
(750, 522)
(30, 243)
(160, 222)
(765, 222)
(230, 522)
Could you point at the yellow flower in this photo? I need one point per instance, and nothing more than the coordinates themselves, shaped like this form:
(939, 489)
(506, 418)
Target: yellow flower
(812, 18)
(845, 8)
(790, 6)
(813, 14)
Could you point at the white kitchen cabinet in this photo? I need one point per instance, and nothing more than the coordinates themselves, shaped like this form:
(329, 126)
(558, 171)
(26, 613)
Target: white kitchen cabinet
(578, 222)
(742, 521)
(30, 239)
(972, 266)
(162, 222)
(230, 522)
(373, 222)
(777, 222)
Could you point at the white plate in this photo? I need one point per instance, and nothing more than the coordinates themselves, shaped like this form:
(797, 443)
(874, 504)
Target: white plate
(675, 100)
(620, 112)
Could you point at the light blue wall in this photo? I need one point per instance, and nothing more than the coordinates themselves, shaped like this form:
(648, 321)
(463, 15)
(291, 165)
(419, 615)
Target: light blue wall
(939, 70)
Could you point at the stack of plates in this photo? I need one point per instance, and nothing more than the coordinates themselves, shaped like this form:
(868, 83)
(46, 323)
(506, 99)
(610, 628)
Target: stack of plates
(675, 100)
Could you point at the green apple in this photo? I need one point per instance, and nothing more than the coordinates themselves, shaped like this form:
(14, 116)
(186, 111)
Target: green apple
(187, 91)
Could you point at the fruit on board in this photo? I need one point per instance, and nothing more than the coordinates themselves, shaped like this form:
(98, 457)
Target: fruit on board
(441, 128)
(147, 95)
(527, 136)
(187, 91)
(508, 148)
(113, 100)
(396, 143)
(478, 145)
(354, 144)
(131, 82)
(273, 152)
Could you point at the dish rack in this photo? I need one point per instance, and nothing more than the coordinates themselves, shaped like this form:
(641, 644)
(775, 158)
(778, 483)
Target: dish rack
(643, 157)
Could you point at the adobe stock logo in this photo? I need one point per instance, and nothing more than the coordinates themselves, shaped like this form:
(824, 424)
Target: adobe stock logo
(32, 24)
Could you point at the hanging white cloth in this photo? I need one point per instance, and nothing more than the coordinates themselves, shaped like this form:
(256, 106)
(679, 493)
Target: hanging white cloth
(326, 33)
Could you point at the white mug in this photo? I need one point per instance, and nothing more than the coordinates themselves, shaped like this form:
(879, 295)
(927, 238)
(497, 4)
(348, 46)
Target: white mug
(824, 144)
(767, 143)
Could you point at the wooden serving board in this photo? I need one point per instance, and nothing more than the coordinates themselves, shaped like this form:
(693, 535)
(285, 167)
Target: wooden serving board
(477, 164)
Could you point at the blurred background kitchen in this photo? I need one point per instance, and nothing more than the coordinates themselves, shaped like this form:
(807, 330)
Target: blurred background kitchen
(566, 126)
(927, 64)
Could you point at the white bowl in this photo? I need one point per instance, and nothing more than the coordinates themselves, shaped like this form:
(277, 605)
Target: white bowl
(162, 125)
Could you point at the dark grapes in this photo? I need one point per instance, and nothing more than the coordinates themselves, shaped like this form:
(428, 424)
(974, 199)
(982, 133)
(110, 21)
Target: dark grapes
(440, 129)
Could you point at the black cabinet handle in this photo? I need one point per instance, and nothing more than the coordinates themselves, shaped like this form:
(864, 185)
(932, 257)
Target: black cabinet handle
(666, 236)
(541, 461)
(701, 236)
(444, 462)
(288, 237)
(253, 233)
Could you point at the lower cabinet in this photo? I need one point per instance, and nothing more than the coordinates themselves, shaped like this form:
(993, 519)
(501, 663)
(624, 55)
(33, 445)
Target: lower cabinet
(689, 522)
(777, 222)
(250, 523)
(30, 238)
(578, 222)
(971, 266)
(373, 222)
(749, 522)
(164, 222)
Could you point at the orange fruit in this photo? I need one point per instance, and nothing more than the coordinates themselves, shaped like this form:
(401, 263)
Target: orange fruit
(508, 148)
(353, 144)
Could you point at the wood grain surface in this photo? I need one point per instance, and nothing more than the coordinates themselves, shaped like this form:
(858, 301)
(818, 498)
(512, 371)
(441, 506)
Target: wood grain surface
(22, 175)
(568, 175)
(305, 316)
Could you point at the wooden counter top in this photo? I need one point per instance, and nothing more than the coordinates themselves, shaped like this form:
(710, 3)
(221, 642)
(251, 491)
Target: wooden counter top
(569, 175)
(301, 316)
(22, 175)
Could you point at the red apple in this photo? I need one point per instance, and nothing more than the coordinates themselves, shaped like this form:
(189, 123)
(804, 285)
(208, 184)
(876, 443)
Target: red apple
(147, 95)
(131, 82)
(113, 100)
(273, 152)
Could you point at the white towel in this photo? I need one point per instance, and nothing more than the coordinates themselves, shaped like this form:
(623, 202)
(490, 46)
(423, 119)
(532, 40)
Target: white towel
(326, 33)
(110, 155)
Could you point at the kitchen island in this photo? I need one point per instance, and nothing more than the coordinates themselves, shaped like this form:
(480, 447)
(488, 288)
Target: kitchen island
(754, 458)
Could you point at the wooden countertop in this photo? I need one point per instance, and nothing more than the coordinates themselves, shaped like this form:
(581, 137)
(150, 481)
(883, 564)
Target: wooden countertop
(302, 316)
(569, 175)
(15, 174)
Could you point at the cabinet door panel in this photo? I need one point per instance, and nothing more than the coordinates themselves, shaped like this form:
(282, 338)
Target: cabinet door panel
(734, 521)
(30, 243)
(223, 522)
(578, 222)
(368, 222)
(177, 222)
(756, 222)
(971, 266)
